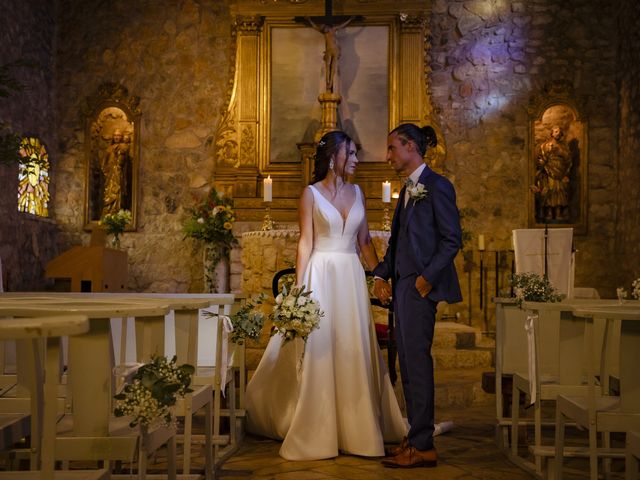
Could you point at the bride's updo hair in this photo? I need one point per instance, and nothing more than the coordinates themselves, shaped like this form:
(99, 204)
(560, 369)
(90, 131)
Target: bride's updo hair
(328, 147)
(423, 137)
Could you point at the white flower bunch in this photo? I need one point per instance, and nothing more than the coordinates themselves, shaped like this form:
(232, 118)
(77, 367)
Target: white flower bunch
(635, 293)
(137, 401)
(156, 385)
(534, 288)
(295, 314)
(417, 192)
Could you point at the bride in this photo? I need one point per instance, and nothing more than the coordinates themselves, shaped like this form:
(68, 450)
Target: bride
(340, 399)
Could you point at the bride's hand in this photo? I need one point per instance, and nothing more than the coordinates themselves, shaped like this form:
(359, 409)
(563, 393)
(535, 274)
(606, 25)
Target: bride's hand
(382, 290)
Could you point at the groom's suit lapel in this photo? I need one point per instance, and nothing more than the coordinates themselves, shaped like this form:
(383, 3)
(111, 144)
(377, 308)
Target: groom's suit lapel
(395, 224)
(411, 204)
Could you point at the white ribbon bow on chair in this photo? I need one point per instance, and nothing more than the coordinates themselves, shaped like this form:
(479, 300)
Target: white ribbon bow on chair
(227, 328)
(531, 343)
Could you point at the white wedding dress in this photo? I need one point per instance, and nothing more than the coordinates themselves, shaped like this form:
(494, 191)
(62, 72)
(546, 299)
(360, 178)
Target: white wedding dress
(341, 400)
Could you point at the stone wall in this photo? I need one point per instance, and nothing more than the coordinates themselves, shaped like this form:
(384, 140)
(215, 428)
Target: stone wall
(627, 243)
(175, 56)
(488, 58)
(27, 242)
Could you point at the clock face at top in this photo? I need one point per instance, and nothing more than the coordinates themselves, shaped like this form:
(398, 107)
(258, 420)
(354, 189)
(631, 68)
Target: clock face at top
(33, 177)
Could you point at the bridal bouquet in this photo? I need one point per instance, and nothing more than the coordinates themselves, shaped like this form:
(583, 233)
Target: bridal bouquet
(295, 314)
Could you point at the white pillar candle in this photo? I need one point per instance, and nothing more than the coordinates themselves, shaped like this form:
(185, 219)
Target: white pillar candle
(386, 192)
(268, 189)
(480, 242)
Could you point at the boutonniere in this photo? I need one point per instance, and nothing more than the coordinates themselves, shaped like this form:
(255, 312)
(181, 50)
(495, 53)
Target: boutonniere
(417, 192)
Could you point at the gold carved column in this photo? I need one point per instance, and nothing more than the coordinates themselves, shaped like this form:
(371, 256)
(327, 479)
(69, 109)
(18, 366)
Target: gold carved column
(236, 145)
(414, 81)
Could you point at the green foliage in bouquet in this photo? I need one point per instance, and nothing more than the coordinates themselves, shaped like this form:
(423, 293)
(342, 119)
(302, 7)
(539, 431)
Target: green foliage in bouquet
(155, 388)
(247, 322)
(531, 287)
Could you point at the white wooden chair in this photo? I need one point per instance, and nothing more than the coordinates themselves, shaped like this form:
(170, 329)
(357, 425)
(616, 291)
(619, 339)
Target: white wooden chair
(207, 388)
(227, 360)
(44, 399)
(597, 410)
(549, 335)
(511, 357)
(558, 354)
(91, 432)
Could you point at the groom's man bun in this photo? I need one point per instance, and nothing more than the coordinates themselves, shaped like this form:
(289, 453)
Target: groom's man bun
(423, 137)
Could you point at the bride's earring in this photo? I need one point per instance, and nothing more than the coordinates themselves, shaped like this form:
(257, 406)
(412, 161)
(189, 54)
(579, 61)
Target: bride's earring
(331, 164)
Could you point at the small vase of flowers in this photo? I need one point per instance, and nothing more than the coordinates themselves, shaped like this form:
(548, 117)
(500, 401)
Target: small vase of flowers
(115, 224)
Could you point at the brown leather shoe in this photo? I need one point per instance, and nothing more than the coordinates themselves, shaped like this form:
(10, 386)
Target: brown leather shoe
(410, 457)
(393, 451)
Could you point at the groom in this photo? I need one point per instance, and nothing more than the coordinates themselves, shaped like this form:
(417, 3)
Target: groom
(425, 238)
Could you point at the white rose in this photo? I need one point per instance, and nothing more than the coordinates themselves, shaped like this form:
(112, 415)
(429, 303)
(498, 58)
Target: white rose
(279, 299)
(301, 301)
(200, 220)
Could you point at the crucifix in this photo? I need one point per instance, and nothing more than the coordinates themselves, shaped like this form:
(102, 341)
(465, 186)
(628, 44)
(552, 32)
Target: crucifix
(329, 25)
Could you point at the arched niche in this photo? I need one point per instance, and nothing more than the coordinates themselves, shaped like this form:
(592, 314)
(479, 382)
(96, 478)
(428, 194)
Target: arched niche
(112, 140)
(557, 162)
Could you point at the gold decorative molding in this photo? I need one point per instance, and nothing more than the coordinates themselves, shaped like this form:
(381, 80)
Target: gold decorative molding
(244, 153)
(559, 91)
(112, 93)
(226, 143)
(249, 24)
(248, 146)
(412, 23)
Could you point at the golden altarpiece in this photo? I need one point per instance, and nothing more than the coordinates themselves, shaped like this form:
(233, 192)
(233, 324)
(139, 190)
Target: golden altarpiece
(279, 104)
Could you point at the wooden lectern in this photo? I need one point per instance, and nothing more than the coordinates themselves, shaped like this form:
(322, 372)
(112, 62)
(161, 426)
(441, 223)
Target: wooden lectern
(91, 269)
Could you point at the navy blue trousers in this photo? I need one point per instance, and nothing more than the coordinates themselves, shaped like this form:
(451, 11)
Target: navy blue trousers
(415, 322)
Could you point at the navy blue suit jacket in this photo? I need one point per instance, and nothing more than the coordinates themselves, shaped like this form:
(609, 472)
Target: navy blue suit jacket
(433, 226)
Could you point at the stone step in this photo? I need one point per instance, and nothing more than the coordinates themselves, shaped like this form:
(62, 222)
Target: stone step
(461, 388)
(455, 335)
(451, 359)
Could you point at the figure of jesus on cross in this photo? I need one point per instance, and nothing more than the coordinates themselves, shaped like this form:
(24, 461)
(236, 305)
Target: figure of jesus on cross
(331, 49)
(329, 25)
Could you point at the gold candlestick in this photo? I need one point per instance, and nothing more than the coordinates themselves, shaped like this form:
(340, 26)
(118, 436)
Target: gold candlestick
(267, 221)
(386, 220)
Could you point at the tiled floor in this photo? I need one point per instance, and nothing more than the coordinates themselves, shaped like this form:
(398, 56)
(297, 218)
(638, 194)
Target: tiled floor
(467, 452)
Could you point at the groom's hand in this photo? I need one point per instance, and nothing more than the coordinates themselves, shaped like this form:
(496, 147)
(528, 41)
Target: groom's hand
(423, 286)
(382, 290)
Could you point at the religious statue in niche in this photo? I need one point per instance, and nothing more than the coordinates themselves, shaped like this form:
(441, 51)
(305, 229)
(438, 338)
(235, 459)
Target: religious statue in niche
(556, 182)
(111, 163)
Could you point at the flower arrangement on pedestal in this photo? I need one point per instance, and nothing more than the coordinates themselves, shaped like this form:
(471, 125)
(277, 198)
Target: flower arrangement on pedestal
(211, 221)
(115, 224)
(155, 388)
(532, 287)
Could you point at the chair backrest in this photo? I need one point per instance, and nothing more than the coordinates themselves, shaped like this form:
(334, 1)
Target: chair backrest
(275, 283)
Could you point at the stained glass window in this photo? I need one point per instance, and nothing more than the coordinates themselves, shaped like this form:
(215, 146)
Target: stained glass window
(33, 177)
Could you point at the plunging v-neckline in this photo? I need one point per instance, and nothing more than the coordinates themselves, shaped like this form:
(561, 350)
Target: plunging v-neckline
(344, 219)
